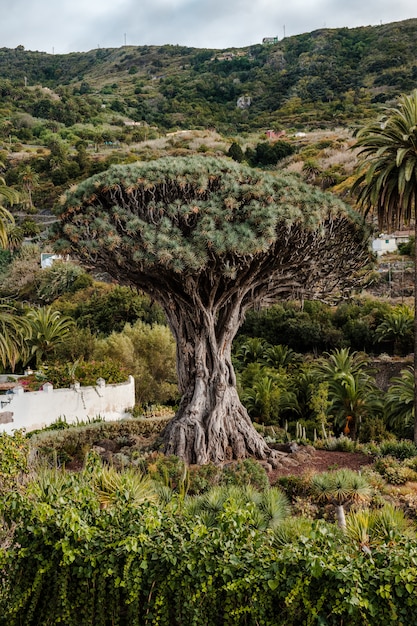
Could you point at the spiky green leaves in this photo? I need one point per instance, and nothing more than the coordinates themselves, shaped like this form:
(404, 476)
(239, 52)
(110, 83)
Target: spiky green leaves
(388, 176)
(180, 214)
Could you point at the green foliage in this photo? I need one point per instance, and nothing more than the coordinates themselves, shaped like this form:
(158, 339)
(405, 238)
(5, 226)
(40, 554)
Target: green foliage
(172, 472)
(107, 308)
(374, 429)
(397, 327)
(236, 152)
(341, 444)
(85, 372)
(48, 329)
(400, 403)
(148, 353)
(398, 449)
(61, 278)
(407, 248)
(246, 472)
(73, 443)
(394, 471)
(267, 153)
(14, 455)
(369, 528)
(351, 390)
(75, 561)
(15, 332)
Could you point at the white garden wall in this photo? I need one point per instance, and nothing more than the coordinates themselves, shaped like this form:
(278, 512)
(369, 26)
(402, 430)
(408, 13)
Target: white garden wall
(36, 409)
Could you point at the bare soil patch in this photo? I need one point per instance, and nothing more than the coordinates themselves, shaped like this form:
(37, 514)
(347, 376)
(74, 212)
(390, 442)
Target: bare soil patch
(321, 461)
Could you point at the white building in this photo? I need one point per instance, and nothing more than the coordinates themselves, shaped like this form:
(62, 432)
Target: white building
(389, 243)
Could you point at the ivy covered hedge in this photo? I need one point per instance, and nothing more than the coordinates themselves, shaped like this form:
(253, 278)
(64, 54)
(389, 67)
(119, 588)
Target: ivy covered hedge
(76, 560)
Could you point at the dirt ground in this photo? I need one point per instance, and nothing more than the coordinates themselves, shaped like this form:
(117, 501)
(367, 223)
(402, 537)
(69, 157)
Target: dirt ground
(322, 461)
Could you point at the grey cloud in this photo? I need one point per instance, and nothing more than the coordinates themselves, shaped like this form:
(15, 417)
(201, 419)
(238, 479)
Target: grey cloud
(76, 25)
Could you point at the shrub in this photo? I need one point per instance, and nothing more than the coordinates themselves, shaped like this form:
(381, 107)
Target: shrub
(393, 471)
(86, 373)
(398, 449)
(61, 278)
(14, 454)
(295, 486)
(246, 472)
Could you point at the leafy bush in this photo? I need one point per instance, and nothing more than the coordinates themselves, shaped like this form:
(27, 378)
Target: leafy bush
(341, 444)
(148, 353)
(373, 429)
(86, 373)
(246, 472)
(14, 454)
(61, 277)
(76, 562)
(393, 471)
(74, 443)
(398, 449)
(294, 486)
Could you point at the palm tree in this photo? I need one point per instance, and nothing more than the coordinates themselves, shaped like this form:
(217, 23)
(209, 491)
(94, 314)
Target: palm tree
(29, 179)
(49, 329)
(352, 392)
(387, 179)
(14, 333)
(9, 196)
(397, 326)
(399, 404)
(280, 356)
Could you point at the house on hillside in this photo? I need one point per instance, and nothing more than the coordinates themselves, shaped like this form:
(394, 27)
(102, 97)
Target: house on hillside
(389, 243)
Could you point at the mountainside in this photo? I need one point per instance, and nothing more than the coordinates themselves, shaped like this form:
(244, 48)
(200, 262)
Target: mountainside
(326, 77)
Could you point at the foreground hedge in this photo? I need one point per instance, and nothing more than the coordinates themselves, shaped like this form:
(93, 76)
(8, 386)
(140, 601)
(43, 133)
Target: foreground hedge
(75, 563)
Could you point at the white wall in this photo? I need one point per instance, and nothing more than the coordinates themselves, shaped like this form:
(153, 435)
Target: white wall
(36, 409)
(383, 245)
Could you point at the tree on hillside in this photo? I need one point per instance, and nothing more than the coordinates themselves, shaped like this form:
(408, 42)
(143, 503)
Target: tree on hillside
(387, 181)
(208, 238)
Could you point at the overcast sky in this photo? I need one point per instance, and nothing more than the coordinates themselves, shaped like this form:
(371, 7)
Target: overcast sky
(62, 26)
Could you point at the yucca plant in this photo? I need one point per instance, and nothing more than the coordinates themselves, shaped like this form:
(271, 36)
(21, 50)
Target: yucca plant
(368, 528)
(128, 487)
(341, 488)
(268, 508)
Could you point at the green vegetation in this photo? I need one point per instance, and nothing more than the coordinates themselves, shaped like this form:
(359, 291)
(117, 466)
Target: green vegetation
(388, 185)
(97, 524)
(105, 545)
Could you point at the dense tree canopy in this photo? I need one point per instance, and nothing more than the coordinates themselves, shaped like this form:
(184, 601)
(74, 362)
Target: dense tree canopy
(209, 238)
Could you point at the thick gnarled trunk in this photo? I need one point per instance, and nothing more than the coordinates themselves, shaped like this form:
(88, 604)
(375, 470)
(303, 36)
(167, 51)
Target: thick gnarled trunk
(211, 424)
(213, 427)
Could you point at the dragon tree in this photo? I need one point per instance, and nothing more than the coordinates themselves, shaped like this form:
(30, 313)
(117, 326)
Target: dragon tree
(209, 238)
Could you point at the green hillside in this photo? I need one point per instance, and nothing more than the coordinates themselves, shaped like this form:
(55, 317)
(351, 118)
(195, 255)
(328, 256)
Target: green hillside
(326, 77)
